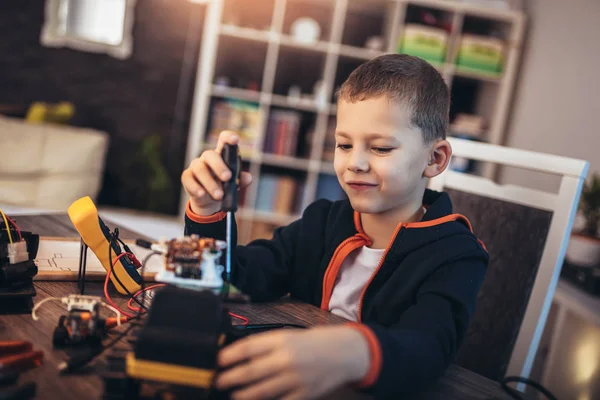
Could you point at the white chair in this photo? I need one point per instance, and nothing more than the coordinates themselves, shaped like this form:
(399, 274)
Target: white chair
(526, 232)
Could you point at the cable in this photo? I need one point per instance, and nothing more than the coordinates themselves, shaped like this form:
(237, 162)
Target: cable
(7, 226)
(106, 290)
(112, 240)
(240, 317)
(515, 394)
(38, 305)
(143, 291)
(131, 307)
(82, 359)
(113, 309)
(16, 227)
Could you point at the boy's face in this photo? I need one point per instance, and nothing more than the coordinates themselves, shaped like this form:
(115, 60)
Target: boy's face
(379, 158)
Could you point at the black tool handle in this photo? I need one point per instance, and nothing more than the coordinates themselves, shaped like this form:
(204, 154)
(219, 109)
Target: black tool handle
(231, 157)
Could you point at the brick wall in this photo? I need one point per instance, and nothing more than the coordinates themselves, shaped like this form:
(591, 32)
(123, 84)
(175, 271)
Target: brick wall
(130, 99)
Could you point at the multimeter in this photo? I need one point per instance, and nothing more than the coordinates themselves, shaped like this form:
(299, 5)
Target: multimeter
(96, 236)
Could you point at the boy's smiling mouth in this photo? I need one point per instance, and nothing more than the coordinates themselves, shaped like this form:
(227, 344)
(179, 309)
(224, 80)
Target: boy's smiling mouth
(360, 185)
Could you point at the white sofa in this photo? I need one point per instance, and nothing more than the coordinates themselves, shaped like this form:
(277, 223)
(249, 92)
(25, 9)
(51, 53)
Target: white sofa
(48, 166)
(45, 168)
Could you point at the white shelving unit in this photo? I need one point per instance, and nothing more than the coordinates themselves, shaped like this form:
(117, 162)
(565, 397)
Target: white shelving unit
(264, 28)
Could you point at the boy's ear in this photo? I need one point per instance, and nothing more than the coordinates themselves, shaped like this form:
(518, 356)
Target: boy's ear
(439, 157)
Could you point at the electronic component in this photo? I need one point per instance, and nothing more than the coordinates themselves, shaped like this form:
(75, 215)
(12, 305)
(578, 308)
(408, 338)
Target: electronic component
(18, 249)
(96, 235)
(192, 262)
(82, 324)
(177, 349)
(17, 252)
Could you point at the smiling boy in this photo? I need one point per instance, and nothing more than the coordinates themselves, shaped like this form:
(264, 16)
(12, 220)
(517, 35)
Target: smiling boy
(393, 258)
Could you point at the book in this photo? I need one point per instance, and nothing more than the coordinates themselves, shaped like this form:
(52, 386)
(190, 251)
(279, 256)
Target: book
(266, 192)
(283, 129)
(286, 195)
(240, 116)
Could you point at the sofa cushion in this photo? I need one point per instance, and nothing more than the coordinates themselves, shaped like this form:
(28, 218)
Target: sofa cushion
(49, 165)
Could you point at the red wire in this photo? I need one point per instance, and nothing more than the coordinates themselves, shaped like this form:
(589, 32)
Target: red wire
(106, 288)
(129, 303)
(15, 225)
(241, 318)
(137, 309)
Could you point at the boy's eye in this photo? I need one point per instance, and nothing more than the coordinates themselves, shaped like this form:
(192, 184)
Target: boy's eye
(344, 146)
(382, 150)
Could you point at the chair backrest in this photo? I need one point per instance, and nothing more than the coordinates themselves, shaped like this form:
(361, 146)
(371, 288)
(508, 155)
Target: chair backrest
(526, 232)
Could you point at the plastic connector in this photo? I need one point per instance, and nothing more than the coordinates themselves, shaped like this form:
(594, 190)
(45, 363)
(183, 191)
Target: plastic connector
(17, 252)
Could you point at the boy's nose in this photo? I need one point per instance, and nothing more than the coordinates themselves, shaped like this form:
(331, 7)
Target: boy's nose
(359, 162)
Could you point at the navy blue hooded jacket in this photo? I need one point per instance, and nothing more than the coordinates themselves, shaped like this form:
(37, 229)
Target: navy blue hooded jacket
(416, 307)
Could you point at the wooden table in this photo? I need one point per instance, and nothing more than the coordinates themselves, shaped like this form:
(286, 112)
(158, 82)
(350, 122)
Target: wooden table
(456, 384)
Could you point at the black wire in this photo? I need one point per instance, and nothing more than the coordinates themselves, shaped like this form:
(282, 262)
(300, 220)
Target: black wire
(142, 274)
(518, 379)
(112, 269)
(83, 359)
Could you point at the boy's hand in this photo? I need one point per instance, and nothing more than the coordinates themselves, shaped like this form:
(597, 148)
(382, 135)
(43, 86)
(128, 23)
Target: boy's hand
(203, 180)
(294, 364)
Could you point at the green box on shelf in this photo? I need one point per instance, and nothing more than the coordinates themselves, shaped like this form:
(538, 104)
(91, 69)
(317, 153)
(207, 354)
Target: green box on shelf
(480, 53)
(424, 42)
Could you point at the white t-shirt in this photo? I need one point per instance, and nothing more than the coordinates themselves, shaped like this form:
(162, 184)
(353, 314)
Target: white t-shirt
(354, 274)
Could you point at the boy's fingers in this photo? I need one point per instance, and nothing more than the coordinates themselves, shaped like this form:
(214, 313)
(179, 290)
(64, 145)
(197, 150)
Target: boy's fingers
(270, 388)
(191, 185)
(217, 165)
(226, 137)
(294, 395)
(205, 178)
(245, 179)
(246, 349)
(255, 370)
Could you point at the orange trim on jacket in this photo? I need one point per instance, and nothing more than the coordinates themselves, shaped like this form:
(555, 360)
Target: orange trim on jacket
(340, 254)
(216, 217)
(376, 356)
(361, 239)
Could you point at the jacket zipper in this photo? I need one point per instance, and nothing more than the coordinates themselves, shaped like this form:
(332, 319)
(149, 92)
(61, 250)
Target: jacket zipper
(325, 293)
(387, 249)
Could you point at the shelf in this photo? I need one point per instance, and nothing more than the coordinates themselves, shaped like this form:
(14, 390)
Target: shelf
(302, 104)
(284, 161)
(327, 168)
(235, 93)
(289, 41)
(467, 8)
(275, 99)
(465, 72)
(246, 33)
(359, 52)
(258, 54)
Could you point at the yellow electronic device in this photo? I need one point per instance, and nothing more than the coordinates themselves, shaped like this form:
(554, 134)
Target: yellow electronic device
(96, 235)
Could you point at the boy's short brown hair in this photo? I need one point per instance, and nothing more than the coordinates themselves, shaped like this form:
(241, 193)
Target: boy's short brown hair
(408, 80)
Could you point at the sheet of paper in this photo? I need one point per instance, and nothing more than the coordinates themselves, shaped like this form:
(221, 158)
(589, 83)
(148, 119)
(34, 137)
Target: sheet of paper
(58, 259)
